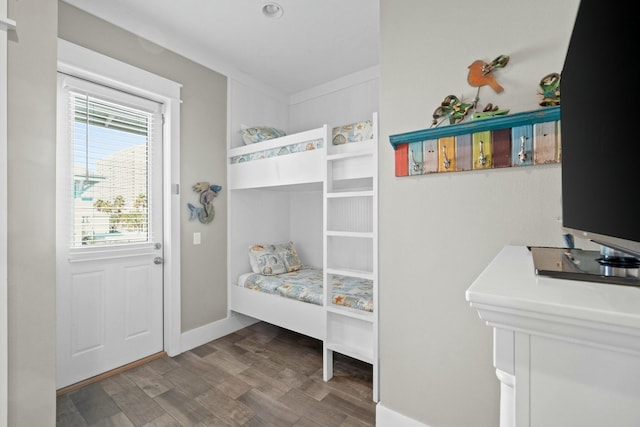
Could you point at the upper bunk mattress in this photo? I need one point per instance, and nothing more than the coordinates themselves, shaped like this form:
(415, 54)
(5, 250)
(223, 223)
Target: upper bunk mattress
(306, 285)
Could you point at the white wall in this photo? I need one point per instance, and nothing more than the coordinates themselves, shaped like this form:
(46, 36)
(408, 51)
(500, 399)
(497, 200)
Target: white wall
(306, 226)
(437, 232)
(260, 216)
(256, 217)
(350, 99)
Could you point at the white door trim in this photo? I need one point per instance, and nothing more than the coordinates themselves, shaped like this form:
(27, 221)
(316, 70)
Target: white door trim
(5, 25)
(84, 63)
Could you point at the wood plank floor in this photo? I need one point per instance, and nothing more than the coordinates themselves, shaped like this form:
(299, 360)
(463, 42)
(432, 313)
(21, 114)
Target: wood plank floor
(259, 376)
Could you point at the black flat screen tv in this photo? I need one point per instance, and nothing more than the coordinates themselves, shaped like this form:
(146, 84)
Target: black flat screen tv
(599, 122)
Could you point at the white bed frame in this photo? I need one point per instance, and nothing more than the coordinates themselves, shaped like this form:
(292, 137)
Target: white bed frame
(312, 198)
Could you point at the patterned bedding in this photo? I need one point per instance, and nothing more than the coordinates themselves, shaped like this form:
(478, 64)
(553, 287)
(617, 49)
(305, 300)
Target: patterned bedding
(306, 285)
(280, 151)
(353, 132)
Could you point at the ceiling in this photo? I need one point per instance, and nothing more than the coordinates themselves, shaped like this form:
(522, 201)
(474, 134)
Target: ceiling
(314, 42)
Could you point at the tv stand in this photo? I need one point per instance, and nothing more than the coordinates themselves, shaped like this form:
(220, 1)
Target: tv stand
(566, 352)
(604, 266)
(613, 258)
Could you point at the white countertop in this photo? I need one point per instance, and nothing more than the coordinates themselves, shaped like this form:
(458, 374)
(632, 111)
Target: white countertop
(567, 352)
(509, 283)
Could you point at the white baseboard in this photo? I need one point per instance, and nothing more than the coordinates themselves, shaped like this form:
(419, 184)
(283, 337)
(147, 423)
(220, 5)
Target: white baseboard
(385, 417)
(212, 331)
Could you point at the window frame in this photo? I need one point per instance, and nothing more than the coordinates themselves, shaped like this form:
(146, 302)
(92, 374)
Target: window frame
(72, 86)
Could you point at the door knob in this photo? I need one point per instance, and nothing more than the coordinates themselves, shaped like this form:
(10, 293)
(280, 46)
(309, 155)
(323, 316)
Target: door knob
(158, 260)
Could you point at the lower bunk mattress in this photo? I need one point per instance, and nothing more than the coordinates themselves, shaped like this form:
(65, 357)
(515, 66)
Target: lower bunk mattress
(306, 285)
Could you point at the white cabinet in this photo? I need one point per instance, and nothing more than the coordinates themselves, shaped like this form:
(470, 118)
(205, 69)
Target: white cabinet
(351, 248)
(567, 353)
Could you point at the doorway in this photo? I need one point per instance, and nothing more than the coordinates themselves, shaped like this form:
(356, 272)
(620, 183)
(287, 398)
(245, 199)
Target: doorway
(117, 216)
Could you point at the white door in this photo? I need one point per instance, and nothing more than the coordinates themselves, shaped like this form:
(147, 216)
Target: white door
(109, 225)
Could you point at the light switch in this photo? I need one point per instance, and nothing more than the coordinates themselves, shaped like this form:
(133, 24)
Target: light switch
(196, 238)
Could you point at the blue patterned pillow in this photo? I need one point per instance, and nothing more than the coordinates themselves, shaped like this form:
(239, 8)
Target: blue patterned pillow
(265, 261)
(251, 135)
(274, 259)
(290, 256)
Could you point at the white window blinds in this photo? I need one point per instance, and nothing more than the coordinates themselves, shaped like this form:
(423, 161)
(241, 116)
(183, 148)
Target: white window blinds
(111, 156)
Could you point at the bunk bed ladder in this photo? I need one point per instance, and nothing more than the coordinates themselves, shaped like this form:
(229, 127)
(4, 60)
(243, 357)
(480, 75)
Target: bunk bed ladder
(350, 245)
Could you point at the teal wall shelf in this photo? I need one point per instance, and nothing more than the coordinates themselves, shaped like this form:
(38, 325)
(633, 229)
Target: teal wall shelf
(548, 114)
(520, 139)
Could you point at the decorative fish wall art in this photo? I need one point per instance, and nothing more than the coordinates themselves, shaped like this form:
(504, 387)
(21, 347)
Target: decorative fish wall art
(206, 212)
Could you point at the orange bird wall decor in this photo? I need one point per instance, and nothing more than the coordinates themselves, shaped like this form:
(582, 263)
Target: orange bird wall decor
(481, 73)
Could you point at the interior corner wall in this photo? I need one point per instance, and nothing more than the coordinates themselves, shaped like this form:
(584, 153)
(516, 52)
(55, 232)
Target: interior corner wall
(306, 226)
(259, 216)
(31, 147)
(203, 136)
(250, 106)
(439, 231)
(347, 100)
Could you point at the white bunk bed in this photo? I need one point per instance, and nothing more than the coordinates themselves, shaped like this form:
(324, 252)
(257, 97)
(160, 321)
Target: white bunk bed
(303, 188)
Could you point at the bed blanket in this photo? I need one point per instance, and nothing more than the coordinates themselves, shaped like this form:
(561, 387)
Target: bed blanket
(306, 285)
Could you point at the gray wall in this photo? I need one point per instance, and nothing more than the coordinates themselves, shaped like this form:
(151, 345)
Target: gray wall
(31, 188)
(202, 154)
(439, 231)
(31, 200)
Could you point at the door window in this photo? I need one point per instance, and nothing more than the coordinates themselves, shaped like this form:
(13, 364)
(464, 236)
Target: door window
(111, 149)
